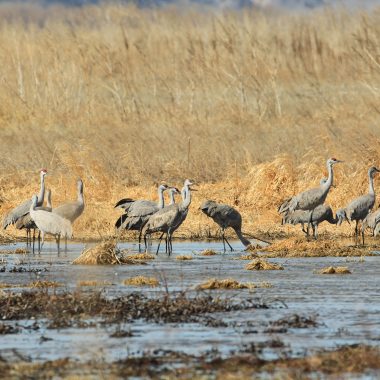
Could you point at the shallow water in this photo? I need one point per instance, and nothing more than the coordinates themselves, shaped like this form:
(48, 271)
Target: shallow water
(346, 307)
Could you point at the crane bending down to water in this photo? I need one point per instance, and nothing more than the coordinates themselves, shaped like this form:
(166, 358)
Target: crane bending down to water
(321, 213)
(225, 216)
(371, 221)
(308, 200)
(28, 223)
(50, 223)
(138, 212)
(358, 209)
(18, 212)
(72, 210)
(169, 218)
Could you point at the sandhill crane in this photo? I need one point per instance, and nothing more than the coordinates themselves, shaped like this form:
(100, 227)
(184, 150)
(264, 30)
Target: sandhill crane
(359, 208)
(138, 212)
(371, 221)
(170, 217)
(50, 223)
(320, 214)
(18, 212)
(310, 199)
(225, 216)
(28, 223)
(72, 210)
(283, 210)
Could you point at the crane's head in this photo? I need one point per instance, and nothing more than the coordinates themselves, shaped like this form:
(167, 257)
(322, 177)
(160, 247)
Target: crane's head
(43, 172)
(341, 216)
(174, 190)
(372, 171)
(332, 161)
(163, 187)
(80, 185)
(188, 183)
(206, 206)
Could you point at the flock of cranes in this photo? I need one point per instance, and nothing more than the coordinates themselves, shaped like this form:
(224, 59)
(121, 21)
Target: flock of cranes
(308, 207)
(149, 217)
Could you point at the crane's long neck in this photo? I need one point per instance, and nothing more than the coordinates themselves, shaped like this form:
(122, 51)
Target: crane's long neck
(41, 195)
(80, 194)
(371, 187)
(326, 186)
(161, 201)
(172, 198)
(186, 197)
(245, 241)
(48, 203)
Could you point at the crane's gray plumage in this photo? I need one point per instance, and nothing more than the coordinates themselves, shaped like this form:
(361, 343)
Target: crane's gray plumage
(358, 209)
(310, 199)
(169, 218)
(138, 212)
(18, 212)
(371, 221)
(72, 210)
(320, 214)
(50, 223)
(225, 216)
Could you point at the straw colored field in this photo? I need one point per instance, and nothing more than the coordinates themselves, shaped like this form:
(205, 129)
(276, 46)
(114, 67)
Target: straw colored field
(248, 104)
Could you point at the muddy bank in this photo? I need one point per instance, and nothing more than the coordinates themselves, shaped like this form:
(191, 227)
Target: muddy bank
(355, 360)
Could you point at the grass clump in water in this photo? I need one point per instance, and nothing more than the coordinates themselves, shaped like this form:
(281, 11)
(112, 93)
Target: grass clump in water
(184, 257)
(93, 283)
(227, 283)
(141, 281)
(249, 256)
(208, 252)
(261, 264)
(141, 256)
(334, 270)
(105, 253)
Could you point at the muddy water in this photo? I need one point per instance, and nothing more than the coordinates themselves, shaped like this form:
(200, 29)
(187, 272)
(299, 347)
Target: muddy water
(346, 307)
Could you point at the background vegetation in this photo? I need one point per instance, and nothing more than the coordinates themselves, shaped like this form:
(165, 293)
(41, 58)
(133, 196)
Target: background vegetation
(250, 104)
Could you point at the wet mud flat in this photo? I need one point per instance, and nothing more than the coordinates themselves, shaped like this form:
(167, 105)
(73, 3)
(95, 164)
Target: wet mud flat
(62, 317)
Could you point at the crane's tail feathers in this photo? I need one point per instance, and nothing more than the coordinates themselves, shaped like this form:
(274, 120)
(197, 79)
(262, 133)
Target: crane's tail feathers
(123, 202)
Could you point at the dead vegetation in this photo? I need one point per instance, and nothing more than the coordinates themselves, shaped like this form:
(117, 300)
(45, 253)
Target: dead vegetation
(141, 281)
(208, 252)
(227, 283)
(93, 283)
(141, 256)
(35, 284)
(105, 253)
(300, 247)
(184, 257)
(262, 264)
(334, 270)
(18, 251)
(249, 256)
(348, 361)
(64, 308)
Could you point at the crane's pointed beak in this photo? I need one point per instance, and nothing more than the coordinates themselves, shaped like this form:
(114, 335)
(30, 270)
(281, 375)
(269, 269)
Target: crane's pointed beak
(193, 189)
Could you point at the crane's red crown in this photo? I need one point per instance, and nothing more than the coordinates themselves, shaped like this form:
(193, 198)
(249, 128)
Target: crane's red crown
(44, 170)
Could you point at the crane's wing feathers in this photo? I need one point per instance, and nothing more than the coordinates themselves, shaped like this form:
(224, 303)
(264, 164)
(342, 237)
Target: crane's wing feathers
(16, 213)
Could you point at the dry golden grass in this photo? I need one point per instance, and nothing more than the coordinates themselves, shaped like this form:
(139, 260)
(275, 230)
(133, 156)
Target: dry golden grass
(19, 251)
(262, 264)
(184, 257)
(262, 98)
(104, 253)
(93, 283)
(34, 284)
(334, 270)
(208, 252)
(249, 256)
(141, 281)
(227, 283)
(141, 256)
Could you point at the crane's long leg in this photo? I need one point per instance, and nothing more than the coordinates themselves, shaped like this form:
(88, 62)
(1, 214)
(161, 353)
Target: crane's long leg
(170, 246)
(228, 244)
(224, 244)
(140, 233)
(145, 243)
(356, 231)
(39, 241)
(65, 243)
(42, 242)
(159, 243)
(303, 228)
(315, 231)
(309, 223)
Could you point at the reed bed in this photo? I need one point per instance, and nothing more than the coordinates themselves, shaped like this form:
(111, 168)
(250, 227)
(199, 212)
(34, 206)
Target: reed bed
(141, 281)
(250, 103)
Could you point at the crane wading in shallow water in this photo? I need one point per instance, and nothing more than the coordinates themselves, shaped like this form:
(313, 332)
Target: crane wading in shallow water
(50, 223)
(169, 218)
(28, 223)
(310, 199)
(225, 216)
(359, 208)
(138, 212)
(23, 209)
(72, 210)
